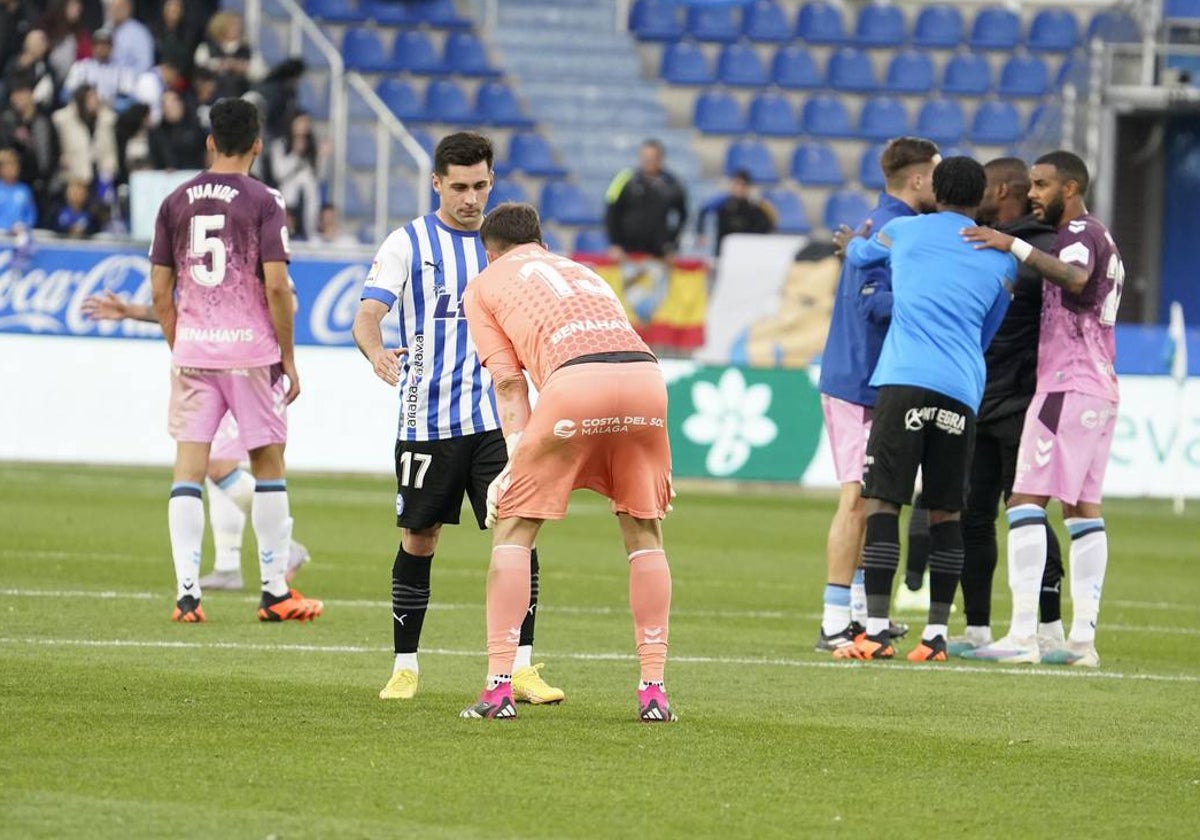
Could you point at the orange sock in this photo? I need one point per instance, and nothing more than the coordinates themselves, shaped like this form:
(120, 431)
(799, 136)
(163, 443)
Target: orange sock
(650, 600)
(507, 600)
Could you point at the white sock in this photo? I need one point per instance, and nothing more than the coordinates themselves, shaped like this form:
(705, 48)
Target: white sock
(932, 631)
(185, 521)
(979, 634)
(524, 657)
(875, 626)
(1089, 560)
(228, 523)
(643, 685)
(834, 619)
(494, 681)
(270, 516)
(1026, 562)
(406, 660)
(858, 598)
(1052, 630)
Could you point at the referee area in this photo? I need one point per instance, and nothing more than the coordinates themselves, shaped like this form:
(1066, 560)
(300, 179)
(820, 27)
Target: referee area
(118, 723)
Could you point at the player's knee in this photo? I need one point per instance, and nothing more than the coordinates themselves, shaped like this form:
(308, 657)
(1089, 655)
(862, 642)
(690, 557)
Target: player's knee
(937, 517)
(266, 462)
(420, 543)
(640, 534)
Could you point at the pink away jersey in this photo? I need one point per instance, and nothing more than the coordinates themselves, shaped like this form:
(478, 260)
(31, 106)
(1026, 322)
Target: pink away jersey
(215, 231)
(1077, 349)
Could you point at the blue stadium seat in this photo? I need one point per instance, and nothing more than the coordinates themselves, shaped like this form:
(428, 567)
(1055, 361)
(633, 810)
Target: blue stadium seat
(388, 12)
(413, 51)
(967, 74)
(446, 102)
(718, 23)
(941, 120)
(496, 104)
(771, 114)
(591, 241)
(879, 25)
(870, 175)
(313, 98)
(1045, 122)
(567, 204)
(1053, 30)
(400, 99)
(821, 23)
(465, 55)
(846, 207)
(754, 157)
(717, 112)
(816, 165)
(793, 68)
(883, 118)
(825, 116)
(996, 124)
(362, 50)
(1023, 75)
(1181, 9)
(1073, 70)
(442, 14)
(335, 11)
(1114, 26)
(551, 241)
(957, 150)
(789, 211)
(530, 153)
(361, 150)
(938, 27)
(683, 63)
(910, 71)
(851, 70)
(506, 190)
(764, 22)
(995, 29)
(655, 20)
(740, 65)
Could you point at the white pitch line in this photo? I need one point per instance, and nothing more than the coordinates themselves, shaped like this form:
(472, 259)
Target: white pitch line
(1061, 673)
(351, 603)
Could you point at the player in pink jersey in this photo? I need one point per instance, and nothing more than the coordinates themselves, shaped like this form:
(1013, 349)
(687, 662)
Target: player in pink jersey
(1069, 425)
(221, 294)
(600, 423)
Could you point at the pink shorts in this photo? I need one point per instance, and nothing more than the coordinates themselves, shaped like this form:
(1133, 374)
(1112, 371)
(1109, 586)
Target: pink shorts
(848, 426)
(227, 444)
(254, 396)
(1064, 447)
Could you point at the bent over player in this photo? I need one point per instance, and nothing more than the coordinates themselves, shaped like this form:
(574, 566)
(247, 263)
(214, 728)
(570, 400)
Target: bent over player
(600, 423)
(221, 294)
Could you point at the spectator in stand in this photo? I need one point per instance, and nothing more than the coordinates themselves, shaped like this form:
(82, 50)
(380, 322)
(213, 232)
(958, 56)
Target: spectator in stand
(177, 142)
(28, 132)
(280, 94)
(174, 37)
(16, 19)
(69, 37)
(87, 133)
(228, 57)
(76, 217)
(133, 141)
(295, 166)
(737, 211)
(150, 86)
(329, 230)
(33, 63)
(204, 86)
(100, 72)
(133, 45)
(18, 210)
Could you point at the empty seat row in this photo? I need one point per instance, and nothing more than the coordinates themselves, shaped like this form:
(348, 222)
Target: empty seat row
(438, 13)
(877, 25)
(446, 102)
(413, 51)
(528, 152)
(852, 70)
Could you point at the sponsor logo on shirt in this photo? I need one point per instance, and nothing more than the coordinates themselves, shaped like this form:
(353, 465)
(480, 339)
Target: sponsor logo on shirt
(943, 419)
(588, 325)
(615, 425)
(242, 335)
(412, 387)
(565, 429)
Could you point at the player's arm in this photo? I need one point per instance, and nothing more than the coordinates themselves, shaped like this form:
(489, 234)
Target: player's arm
(368, 335)
(865, 253)
(875, 295)
(162, 287)
(110, 307)
(497, 354)
(385, 283)
(282, 303)
(1071, 278)
(995, 315)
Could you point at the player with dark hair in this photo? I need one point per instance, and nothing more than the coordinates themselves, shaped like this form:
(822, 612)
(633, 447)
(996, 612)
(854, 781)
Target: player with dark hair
(1011, 380)
(448, 442)
(948, 301)
(222, 296)
(600, 423)
(1069, 425)
(737, 211)
(862, 310)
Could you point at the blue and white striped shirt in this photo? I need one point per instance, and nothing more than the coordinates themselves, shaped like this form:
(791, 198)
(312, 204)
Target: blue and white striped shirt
(444, 391)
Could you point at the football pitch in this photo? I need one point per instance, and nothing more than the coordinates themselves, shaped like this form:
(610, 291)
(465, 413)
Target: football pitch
(118, 723)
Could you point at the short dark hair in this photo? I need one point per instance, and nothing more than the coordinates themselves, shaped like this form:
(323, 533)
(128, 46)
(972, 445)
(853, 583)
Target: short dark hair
(959, 182)
(904, 152)
(235, 126)
(464, 148)
(511, 223)
(742, 175)
(656, 144)
(1008, 169)
(1070, 167)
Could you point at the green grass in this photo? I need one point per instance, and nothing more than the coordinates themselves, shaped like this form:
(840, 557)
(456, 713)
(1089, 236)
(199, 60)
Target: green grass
(116, 723)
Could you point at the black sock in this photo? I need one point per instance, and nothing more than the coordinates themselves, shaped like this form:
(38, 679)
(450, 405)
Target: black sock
(979, 566)
(881, 557)
(410, 599)
(945, 567)
(1050, 601)
(531, 613)
(918, 547)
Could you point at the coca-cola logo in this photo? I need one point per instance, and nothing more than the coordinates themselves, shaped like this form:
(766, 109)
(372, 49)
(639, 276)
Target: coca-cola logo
(332, 314)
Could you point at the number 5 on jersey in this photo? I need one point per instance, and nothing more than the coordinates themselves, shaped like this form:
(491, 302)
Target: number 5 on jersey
(205, 245)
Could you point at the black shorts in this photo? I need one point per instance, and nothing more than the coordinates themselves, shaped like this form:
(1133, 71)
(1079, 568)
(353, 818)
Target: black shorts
(916, 427)
(433, 475)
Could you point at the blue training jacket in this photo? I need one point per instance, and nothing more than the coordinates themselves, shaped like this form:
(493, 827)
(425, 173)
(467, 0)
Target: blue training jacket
(861, 313)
